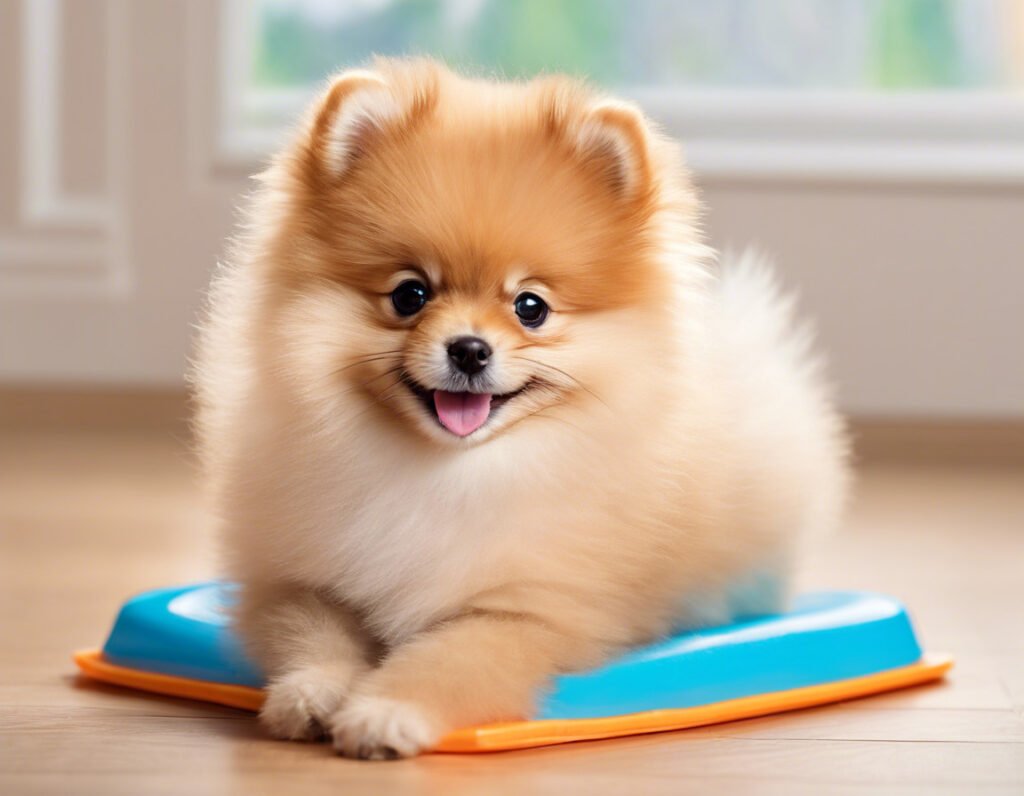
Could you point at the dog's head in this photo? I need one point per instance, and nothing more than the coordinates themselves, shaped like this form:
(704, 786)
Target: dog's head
(461, 256)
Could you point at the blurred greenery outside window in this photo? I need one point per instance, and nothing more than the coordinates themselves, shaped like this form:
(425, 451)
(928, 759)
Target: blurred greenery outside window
(866, 45)
(875, 88)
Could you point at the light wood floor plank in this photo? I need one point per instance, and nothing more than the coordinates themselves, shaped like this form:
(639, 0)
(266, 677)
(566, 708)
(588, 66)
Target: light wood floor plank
(88, 517)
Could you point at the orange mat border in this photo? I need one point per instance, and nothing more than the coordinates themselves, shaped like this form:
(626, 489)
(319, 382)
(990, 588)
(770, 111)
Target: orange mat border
(527, 734)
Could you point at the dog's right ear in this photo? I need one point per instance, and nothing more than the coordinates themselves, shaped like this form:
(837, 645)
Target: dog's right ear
(355, 111)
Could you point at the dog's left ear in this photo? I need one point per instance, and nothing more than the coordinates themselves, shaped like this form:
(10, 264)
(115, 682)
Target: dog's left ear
(613, 138)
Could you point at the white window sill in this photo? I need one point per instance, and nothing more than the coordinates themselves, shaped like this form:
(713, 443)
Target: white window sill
(768, 135)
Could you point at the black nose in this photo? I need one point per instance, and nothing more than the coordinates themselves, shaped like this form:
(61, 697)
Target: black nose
(469, 354)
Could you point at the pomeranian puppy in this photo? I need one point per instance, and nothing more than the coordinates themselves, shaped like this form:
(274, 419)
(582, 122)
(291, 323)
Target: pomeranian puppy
(476, 407)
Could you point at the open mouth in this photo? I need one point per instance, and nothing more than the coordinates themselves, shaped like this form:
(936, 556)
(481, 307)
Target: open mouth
(461, 413)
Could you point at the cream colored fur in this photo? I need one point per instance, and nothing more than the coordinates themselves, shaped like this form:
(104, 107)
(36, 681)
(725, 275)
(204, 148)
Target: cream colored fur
(399, 582)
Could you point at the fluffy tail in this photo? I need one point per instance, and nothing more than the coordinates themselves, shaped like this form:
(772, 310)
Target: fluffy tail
(784, 408)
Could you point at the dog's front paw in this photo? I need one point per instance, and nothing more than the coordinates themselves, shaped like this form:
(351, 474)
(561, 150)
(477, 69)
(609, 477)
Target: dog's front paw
(299, 704)
(377, 728)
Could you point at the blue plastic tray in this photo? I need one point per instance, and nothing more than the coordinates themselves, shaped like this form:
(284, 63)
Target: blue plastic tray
(827, 637)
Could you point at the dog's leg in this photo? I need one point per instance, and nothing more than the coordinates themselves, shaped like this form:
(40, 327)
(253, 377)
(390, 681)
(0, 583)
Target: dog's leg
(311, 651)
(479, 667)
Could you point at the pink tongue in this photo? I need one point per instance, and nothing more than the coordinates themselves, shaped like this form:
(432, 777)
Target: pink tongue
(462, 413)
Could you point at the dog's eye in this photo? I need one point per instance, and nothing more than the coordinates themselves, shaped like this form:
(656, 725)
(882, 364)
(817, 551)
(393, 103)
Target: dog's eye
(531, 309)
(409, 297)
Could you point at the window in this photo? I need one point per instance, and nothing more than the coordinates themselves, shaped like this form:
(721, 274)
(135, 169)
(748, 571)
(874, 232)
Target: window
(756, 87)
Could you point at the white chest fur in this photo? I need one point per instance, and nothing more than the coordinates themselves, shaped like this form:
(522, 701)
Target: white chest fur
(406, 536)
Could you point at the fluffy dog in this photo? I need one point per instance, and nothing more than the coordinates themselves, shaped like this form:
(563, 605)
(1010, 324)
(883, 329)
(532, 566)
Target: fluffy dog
(477, 406)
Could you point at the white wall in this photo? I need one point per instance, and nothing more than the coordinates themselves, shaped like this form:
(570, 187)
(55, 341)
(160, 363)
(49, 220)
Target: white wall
(918, 290)
(918, 286)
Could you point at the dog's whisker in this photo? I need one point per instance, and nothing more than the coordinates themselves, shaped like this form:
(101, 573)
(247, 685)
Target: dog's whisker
(567, 375)
(539, 415)
(389, 393)
(366, 384)
(366, 360)
(388, 372)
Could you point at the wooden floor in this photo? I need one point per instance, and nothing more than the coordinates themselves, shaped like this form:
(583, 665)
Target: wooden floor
(89, 517)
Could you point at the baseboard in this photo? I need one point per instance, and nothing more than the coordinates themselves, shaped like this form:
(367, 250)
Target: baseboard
(940, 441)
(93, 408)
(876, 440)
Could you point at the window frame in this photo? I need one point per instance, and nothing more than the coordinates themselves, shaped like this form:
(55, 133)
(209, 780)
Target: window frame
(732, 134)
